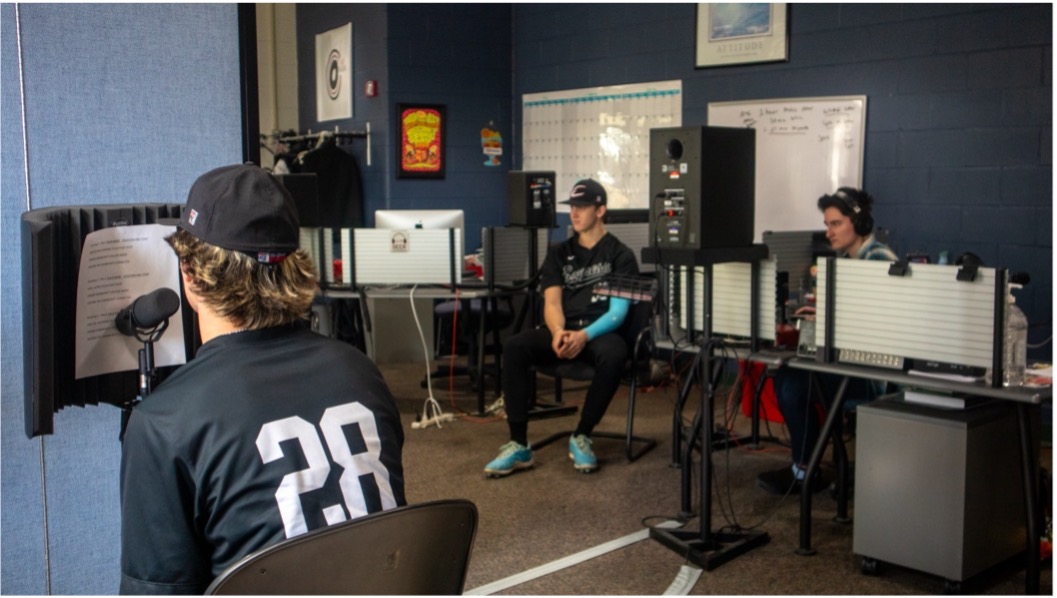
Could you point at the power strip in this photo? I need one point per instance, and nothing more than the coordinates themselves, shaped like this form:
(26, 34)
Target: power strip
(436, 420)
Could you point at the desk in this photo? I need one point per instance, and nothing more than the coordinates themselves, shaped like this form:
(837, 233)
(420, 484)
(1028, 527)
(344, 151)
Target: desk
(1023, 399)
(444, 293)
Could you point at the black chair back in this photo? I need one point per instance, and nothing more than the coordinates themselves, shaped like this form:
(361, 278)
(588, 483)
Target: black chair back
(416, 549)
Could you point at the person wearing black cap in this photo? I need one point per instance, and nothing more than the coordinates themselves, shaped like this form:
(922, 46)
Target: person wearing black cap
(271, 430)
(848, 217)
(579, 325)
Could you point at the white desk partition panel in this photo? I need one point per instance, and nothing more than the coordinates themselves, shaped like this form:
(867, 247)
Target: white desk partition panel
(309, 241)
(327, 275)
(927, 314)
(732, 299)
(506, 253)
(419, 256)
(344, 253)
(346, 256)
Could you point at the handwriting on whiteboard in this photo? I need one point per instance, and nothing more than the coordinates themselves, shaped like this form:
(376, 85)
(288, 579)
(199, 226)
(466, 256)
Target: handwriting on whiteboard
(805, 147)
(828, 124)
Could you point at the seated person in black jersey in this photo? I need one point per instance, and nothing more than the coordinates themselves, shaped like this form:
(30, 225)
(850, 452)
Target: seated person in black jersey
(579, 325)
(847, 216)
(271, 430)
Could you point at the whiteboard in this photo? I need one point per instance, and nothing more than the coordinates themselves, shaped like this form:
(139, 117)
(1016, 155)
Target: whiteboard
(805, 148)
(601, 133)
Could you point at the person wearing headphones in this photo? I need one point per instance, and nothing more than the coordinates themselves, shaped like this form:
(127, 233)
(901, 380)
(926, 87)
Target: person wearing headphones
(847, 215)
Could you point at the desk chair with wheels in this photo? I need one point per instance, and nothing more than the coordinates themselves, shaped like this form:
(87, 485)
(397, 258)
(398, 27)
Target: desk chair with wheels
(474, 320)
(416, 549)
(637, 332)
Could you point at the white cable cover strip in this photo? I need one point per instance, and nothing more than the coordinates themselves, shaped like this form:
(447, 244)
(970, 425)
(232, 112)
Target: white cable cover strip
(564, 562)
(684, 581)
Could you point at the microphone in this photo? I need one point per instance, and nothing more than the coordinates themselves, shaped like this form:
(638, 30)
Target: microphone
(147, 311)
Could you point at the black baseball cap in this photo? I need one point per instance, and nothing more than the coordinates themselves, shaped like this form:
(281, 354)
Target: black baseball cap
(243, 208)
(586, 192)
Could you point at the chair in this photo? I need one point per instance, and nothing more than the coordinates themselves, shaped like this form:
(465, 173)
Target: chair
(416, 549)
(637, 332)
(477, 318)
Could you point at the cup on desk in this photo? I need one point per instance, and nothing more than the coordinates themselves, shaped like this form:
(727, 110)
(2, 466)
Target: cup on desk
(786, 336)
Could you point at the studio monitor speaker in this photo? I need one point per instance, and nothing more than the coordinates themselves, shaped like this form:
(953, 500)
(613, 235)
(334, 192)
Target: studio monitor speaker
(702, 187)
(530, 198)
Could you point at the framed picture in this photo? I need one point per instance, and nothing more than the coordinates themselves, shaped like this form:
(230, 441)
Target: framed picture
(741, 33)
(420, 143)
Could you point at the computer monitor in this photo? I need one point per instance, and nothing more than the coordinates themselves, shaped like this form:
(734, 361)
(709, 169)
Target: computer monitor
(424, 219)
(428, 258)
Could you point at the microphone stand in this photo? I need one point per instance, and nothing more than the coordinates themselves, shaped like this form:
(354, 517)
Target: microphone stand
(147, 372)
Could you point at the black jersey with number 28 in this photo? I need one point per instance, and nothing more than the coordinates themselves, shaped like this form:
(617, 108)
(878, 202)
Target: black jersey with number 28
(265, 435)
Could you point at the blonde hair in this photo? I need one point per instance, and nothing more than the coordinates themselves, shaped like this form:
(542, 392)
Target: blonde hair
(238, 288)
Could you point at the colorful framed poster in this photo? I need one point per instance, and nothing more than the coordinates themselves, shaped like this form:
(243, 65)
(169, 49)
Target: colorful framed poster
(420, 142)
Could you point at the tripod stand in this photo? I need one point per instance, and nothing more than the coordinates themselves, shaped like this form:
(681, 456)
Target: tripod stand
(705, 547)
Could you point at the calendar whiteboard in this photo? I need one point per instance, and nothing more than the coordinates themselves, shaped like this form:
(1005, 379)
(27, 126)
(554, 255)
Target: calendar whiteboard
(805, 148)
(602, 133)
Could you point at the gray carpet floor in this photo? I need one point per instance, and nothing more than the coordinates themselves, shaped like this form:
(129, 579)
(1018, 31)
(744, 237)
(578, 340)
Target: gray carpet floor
(551, 511)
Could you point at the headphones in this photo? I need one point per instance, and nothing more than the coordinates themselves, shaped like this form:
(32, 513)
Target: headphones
(860, 216)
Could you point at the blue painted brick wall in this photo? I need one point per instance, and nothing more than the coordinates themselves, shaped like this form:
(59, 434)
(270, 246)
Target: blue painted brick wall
(959, 116)
(959, 125)
(454, 55)
(457, 56)
(370, 61)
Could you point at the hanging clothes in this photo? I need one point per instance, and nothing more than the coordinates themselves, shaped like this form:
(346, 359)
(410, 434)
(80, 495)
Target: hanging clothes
(339, 183)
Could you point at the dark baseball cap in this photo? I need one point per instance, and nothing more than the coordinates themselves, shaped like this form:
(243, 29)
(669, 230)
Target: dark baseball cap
(243, 208)
(586, 192)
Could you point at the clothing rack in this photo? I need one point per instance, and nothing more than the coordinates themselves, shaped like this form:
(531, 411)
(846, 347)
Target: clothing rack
(322, 137)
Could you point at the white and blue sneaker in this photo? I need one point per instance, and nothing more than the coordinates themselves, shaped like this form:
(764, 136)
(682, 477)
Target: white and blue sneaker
(512, 456)
(581, 453)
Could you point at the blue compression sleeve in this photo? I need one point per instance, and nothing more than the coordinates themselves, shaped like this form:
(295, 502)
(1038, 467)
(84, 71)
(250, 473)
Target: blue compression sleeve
(611, 320)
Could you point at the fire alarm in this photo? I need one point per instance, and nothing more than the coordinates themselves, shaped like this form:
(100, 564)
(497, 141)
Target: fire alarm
(370, 89)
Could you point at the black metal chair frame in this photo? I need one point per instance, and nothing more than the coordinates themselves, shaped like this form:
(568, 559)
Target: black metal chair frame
(475, 324)
(638, 359)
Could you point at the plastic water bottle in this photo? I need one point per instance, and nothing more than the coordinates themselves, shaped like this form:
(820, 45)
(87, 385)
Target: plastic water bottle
(1015, 358)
